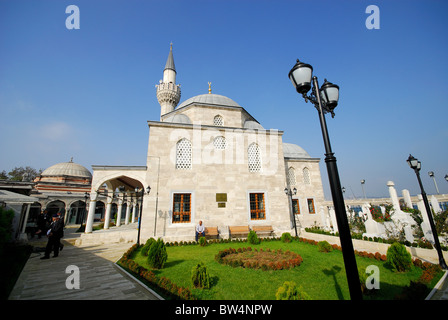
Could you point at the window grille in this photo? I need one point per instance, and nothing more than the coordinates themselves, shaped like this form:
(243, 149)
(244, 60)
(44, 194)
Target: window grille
(254, 159)
(181, 207)
(183, 154)
(291, 176)
(306, 176)
(220, 143)
(311, 208)
(295, 206)
(218, 121)
(257, 207)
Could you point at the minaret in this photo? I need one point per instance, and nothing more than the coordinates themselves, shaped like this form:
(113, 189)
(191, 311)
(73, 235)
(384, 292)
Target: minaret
(168, 92)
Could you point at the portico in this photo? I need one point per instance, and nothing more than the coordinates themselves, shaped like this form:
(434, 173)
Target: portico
(118, 184)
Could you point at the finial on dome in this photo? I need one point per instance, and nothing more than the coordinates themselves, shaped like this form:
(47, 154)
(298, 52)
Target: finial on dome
(209, 88)
(71, 159)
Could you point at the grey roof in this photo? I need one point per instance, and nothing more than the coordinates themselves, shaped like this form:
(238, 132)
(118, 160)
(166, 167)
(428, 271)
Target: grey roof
(210, 99)
(67, 169)
(13, 197)
(178, 118)
(170, 61)
(250, 124)
(294, 151)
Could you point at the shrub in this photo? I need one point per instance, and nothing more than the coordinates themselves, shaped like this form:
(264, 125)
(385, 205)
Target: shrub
(253, 238)
(399, 258)
(200, 276)
(202, 241)
(157, 255)
(324, 246)
(415, 291)
(289, 291)
(147, 245)
(286, 237)
(6, 218)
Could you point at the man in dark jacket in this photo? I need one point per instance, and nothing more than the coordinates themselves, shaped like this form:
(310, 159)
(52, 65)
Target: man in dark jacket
(54, 234)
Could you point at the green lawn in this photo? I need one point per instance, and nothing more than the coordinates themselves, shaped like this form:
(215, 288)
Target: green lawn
(321, 275)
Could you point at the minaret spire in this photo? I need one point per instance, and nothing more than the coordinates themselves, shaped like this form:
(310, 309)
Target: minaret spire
(168, 92)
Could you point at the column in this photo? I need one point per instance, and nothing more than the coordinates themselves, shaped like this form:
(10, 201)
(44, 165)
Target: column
(22, 235)
(91, 213)
(107, 215)
(134, 209)
(120, 208)
(128, 212)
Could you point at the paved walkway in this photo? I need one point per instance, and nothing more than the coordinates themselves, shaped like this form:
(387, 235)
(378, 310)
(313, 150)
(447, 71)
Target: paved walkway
(100, 278)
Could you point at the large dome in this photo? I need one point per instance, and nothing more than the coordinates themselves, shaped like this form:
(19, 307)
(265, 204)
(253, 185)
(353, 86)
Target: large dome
(67, 169)
(210, 99)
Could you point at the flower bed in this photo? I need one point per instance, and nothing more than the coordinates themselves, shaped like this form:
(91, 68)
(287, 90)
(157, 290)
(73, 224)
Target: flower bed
(259, 259)
(162, 284)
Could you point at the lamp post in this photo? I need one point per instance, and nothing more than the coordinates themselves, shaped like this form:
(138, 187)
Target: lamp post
(325, 100)
(86, 195)
(140, 194)
(291, 193)
(431, 174)
(362, 185)
(417, 165)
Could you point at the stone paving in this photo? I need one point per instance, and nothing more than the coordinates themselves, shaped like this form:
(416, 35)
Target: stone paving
(100, 278)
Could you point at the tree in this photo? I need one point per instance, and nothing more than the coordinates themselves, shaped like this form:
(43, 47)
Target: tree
(18, 173)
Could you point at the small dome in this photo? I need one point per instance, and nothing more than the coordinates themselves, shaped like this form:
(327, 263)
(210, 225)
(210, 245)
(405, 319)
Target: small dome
(250, 124)
(67, 169)
(178, 118)
(294, 151)
(210, 99)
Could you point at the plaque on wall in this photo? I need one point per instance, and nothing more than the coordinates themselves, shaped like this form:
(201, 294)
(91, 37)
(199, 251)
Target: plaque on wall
(221, 197)
(221, 204)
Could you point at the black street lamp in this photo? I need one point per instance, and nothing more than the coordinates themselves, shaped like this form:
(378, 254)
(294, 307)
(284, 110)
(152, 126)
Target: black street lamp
(301, 77)
(86, 195)
(140, 194)
(417, 165)
(291, 193)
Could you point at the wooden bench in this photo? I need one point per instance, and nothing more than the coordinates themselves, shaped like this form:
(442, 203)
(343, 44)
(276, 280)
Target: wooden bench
(263, 230)
(238, 231)
(211, 232)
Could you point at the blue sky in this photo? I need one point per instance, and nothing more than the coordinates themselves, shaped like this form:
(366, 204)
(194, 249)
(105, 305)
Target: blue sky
(88, 93)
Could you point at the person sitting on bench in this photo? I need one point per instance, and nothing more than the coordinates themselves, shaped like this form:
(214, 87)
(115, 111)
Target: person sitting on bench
(200, 230)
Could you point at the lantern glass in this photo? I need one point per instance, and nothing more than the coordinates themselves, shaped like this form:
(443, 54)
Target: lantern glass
(330, 94)
(414, 163)
(300, 76)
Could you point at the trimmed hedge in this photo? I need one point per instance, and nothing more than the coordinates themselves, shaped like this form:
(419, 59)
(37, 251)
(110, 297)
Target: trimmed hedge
(164, 285)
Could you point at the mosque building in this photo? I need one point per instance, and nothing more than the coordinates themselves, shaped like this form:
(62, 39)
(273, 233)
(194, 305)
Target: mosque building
(209, 159)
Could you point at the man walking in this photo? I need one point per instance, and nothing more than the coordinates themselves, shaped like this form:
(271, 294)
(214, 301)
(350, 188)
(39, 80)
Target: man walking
(54, 234)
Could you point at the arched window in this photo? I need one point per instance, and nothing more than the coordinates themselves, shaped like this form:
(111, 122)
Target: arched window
(183, 154)
(306, 176)
(254, 158)
(220, 143)
(218, 121)
(291, 176)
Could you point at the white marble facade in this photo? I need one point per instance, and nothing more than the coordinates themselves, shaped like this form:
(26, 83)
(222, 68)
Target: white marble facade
(209, 159)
